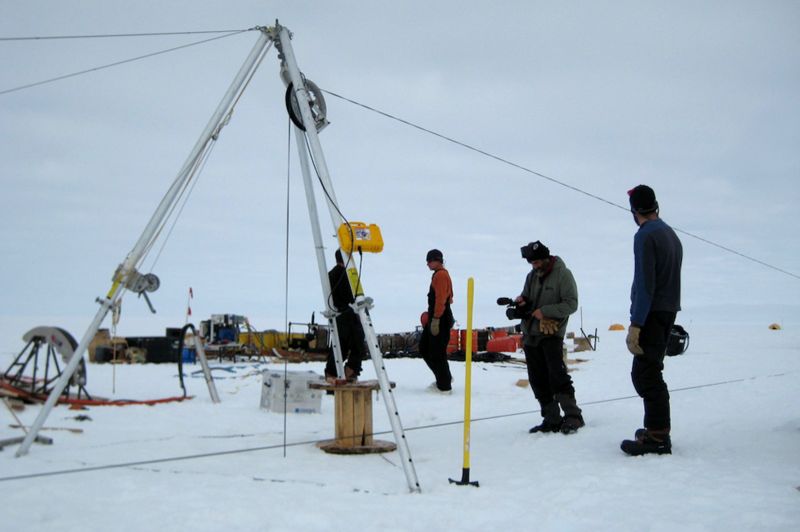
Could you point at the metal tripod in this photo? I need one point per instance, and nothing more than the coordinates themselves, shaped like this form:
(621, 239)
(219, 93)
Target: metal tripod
(127, 277)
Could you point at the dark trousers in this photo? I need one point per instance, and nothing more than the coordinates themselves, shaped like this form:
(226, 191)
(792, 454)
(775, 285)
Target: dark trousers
(547, 372)
(434, 351)
(646, 372)
(351, 342)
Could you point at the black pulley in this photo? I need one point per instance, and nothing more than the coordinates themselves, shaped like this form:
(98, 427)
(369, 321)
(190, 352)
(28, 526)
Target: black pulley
(316, 102)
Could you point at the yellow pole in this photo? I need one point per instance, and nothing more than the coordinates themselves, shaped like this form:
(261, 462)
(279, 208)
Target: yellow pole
(467, 388)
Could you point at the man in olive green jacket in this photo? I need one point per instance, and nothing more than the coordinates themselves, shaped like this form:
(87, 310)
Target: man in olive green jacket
(548, 297)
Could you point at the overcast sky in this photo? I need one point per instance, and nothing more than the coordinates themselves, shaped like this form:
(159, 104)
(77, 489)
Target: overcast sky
(700, 100)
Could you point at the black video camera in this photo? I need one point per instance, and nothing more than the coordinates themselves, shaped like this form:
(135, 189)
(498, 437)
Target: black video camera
(513, 310)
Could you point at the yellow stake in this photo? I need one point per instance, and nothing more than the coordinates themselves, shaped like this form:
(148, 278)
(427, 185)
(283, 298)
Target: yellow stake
(468, 378)
(467, 388)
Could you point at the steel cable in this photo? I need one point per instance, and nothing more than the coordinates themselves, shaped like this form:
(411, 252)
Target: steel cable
(310, 442)
(111, 35)
(116, 63)
(552, 180)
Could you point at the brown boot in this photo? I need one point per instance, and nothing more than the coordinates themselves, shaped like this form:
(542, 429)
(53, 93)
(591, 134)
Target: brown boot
(641, 434)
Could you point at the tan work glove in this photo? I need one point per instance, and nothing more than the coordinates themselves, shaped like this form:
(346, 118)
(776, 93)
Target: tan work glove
(548, 326)
(632, 340)
(435, 327)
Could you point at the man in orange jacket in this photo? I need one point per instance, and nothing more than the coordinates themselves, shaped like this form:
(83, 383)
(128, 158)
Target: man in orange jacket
(436, 333)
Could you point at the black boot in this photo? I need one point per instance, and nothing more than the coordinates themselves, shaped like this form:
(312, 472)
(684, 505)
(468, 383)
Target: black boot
(546, 426)
(648, 442)
(573, 416)
(571, 424)
(552, 419)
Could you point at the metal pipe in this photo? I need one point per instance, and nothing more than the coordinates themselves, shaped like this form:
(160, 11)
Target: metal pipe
(201, 354)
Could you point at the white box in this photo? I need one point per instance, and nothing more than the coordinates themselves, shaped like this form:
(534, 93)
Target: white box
(299, 397)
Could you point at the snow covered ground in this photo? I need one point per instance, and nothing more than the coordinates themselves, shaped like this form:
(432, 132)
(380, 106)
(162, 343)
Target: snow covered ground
(735, 462)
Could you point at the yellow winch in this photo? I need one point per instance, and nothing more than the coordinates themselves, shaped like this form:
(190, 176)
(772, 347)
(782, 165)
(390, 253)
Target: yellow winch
(355, 236)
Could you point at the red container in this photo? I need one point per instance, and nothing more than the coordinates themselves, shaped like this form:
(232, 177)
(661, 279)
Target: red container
(452, 345)
(464, 340)
(507, 344)
(499, 333)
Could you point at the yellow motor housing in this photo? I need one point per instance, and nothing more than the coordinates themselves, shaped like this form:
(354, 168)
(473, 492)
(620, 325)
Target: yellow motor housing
(361, 236)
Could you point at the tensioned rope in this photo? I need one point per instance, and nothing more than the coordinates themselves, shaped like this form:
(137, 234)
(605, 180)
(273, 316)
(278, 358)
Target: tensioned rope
(310, 442)
(193, 177)
(110, 35)
(551, 179)
(122, 62)
(182, 199)
(189, 185)
(197, 170)
(286, 276)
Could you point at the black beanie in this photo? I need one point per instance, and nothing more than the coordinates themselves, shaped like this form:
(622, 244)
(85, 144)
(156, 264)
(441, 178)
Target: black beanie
(642, 199)
(434, 254)
(535, 251)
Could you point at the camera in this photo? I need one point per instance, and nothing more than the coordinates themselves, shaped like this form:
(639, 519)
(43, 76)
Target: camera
(513, 310)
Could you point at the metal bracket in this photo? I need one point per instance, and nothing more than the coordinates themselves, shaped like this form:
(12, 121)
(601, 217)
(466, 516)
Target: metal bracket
(362, 302)
(141, 284)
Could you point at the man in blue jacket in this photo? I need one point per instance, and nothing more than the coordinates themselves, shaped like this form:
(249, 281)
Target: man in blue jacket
(655, 301)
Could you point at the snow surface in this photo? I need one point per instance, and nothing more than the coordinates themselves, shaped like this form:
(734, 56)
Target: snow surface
(735, 462)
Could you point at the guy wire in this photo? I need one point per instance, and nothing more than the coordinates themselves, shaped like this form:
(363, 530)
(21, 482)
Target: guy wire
(551, 179)
(111, 35)
(116, 63)
(310, 442)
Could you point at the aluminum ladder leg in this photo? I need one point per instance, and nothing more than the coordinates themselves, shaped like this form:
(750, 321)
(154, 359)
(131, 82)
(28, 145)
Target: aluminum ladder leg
(361, 306)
